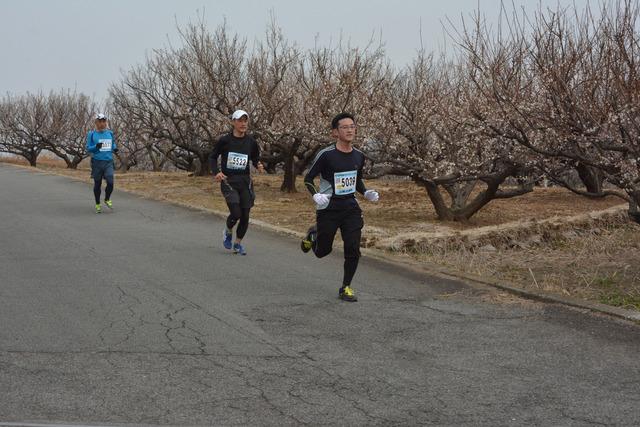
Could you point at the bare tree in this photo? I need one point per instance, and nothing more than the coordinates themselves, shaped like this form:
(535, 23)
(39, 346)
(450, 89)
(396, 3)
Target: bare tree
(436, 136)
(183, 96)
(271, 70)
(135, 122)
(548, 95)
(134, 146)
(23, 122)
(326, 82)
(582, 109)
(70, 114)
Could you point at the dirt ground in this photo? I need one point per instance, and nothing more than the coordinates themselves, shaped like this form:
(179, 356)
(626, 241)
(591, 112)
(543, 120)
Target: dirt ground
(509, 240)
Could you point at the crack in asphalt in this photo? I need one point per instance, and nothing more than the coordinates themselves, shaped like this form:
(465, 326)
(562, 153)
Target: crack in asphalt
(584, 420)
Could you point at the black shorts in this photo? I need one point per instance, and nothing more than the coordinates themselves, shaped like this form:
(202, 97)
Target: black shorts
(350, 223)
(238, 190)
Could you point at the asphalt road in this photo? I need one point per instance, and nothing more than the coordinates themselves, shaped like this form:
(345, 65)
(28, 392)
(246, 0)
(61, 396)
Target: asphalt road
(139, 316)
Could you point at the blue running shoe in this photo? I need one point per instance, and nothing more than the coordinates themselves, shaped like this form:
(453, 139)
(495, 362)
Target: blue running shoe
(239, 249)
(227, 239)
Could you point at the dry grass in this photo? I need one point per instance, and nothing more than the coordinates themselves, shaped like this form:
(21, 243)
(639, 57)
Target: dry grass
(598, 263)
(547, 240)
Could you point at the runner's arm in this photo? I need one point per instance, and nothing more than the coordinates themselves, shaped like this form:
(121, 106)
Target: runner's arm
(255, 154)
(91, 146)
(360, 187)
(213, 158)
(310, 176)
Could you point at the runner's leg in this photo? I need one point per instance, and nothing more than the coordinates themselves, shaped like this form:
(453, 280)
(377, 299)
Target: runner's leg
(97, 184)
(327, 223)
(234, 215)
(243, 225)
(109, 188)
(351, 231)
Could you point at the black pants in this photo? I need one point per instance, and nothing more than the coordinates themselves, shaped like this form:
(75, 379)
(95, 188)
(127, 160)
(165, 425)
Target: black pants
(97, 187)
(236, 213)
(350, 223)
(102, 169)
(239, 195)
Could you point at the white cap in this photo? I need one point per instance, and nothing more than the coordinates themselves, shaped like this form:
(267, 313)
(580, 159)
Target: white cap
(101, 116)
(238, 114)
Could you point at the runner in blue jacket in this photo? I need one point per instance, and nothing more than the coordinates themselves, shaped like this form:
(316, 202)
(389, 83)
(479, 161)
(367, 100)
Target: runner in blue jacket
(101, 145)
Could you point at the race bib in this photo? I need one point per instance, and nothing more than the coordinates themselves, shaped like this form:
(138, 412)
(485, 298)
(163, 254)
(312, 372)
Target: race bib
(237, 160)
(106, 144)
(345, 182)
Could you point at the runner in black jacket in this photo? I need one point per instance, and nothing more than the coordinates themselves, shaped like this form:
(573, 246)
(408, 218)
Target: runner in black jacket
(340, 169)
(237, 150)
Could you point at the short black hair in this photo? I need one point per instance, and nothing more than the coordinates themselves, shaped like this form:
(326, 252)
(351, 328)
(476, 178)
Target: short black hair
(336, 119)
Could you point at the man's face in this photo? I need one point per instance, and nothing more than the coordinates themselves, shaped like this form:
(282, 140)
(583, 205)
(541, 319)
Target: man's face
(241, 125)
(101, 124)
(346, 131)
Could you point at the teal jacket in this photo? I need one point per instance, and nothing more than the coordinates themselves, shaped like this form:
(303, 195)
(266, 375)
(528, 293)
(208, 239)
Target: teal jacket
(108, 144)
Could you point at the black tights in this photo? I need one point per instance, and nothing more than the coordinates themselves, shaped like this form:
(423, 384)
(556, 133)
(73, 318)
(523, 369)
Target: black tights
(237, 213)
(97, 184)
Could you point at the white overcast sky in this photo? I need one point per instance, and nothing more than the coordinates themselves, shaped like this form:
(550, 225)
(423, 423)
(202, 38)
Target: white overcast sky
(86, 44)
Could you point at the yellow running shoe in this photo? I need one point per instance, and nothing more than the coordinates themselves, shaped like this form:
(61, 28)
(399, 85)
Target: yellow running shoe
(98, 208)
(346, 294)
(307, 243)
(109, 204)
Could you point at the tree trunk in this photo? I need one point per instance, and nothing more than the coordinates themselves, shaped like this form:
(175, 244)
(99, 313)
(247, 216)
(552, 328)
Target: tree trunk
(464, 212)
(75, 162)
(201, 165)
(124, 163)
(32, 158)
(634, 201)
(480, 201)
(289, 180)
(460, 193)
(155, 160)
(67, 160)
(592, 178)
(270, 167)
(442, 210)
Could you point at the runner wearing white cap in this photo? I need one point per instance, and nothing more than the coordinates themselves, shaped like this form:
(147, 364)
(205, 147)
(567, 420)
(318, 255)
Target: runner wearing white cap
(238, 150)
(101, 145)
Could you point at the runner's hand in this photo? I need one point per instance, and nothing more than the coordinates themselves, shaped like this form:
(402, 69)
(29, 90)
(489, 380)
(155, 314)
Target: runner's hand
(219, 177)
(321, 199)
(371, 195)
(99, 145)
(115, 150)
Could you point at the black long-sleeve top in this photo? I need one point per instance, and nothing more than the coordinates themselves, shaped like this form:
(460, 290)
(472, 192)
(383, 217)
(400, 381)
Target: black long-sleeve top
(236, 154)
(340, 176)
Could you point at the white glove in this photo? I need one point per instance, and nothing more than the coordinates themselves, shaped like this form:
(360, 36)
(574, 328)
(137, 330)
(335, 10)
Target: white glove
(371, 195)
(321, 199)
